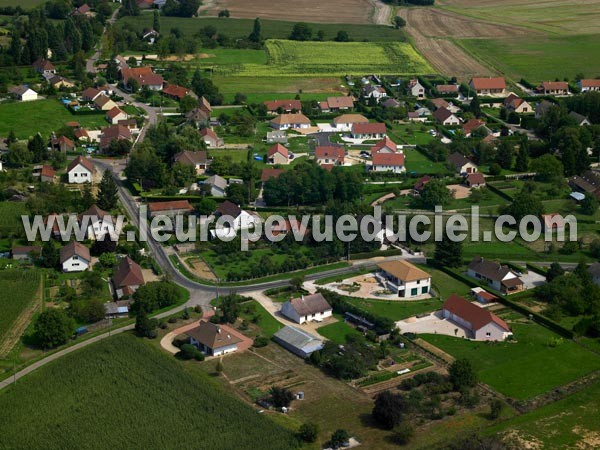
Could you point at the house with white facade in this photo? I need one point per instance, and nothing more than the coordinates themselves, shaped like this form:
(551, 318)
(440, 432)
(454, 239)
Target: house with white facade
(290, 122)
(81, 170)
(127, 277)
(218, 185)
(498, 277)
(235, 218)
(99, 223)
(388, 162)
(346, 121)
(75, 257)
(462, 164)
(415, 88)
(479, 323)
(307, 308)
(376, 92)
(213, 339)
(446, 117)
(23, 93)
(403, 278)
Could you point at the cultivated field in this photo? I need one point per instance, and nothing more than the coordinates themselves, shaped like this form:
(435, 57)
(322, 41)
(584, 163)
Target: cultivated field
(122, 393)
(18, 302)
(340, 11)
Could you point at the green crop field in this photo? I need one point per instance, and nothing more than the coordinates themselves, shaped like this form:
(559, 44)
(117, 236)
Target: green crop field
(10, 218)
(26, 4)
(20, 291)
(293, 58)
(539, 58)
(566, 424)
(526, 368)
(44, 116)
(123, 393)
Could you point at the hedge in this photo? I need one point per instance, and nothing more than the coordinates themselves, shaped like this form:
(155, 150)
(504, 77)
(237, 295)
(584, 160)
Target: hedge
(366, 255)
(497, 191)
(537, 269)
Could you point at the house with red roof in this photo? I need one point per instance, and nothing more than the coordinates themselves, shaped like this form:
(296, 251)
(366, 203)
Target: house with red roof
(127, 277)
(80, 170)
(369, 130)
(386, 145)
(171, 208)
(471, 125)
(283, 106)
(47, 174)
(334, 104)
(269, 172)
(143, 76)
(278, 154)
(553, 88)
(516, 104)
(488, 85)
(175, 92)
(115, 115)
(388, 162)
(475, 180)
(210, 138)
(114, 133)
(589, 85)
(479, 323)
(330, 155)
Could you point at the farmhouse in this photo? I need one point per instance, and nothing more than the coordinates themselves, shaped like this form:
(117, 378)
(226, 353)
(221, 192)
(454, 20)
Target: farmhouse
(278, 154)
(500, 278)
(447, 89)
(388, 162)
(553, 88)
(127, 277)
(334, 104)
(114, 133)
(516, 104)
(44, 67)
(481, 324)
(446, 117)
(369, 131)
(75, 257)
(23, 93)
(488, 86)
(330, 155)
(218, 185)
(214, 340)
(290, 121)
(283, 106)
(198, 160)
(115, 115)
(415, 88)
(175, 92)
(298, 341)
(386, 145)
(461, 164)
(170, 209)
(211, 139)
(142, 76)
(99, 223)
(475, 180)
(80, 170)
(403, 278)
(589, 85)
(345, 121)
(25, 253)
(307, 308)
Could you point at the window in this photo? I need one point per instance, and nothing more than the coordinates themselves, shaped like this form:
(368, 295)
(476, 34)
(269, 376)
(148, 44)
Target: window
(418, 281)
(424, 290)
(414, 291)
(488, 334)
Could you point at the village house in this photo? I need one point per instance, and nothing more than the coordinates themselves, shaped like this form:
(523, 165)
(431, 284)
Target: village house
(480, 324)
(391, 103)
(386, 145)
(90, 94)
(176, 92)
(446, 117)
(23, 93)
(211, 139)
(277, 137)
(416, 89)
(116, 115)
(278, 154)
(113, 133)
(237, 219)
(99, 223)
(75, 257)
(488, 86)
(579, 119)
(441, 103)
(198, 160)
(213, 339)
(516, 104)
(127, 277)
(475, 180)
(80, 170)
(169, 209)
(290, 122)
(346, 121)
(388, 162)
(58, 82)
(143, 76)
(44, 67)
(374, 92)
(62, 144)
(25, 253)
(447, 89)
(330, 155)
(413, 116)
(297, 341)
(403, 278)
(553, 88)
(218, 185)
(83, 10)
(47, 174)
(461, 164)
(369, 131)
(200, 115)
(335, 104)
(103, 103)
(498, 277)
(589, 85)
(283, 106)
(307, 308)
(471, 125)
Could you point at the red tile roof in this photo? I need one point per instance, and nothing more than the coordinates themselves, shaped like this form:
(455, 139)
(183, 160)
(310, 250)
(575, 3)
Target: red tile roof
(269, 172)
(285, 105)
(369, 128)
(340, 102)
(385, 142)
(74, 248)
(145, 76)
(478, 317)
(278, 148)
(47, 171)
(330, 152)
(447, 88)
(554, 85)
(89, 165)
(114, 112)
(388, 159)
(128, 273)
(488, 83)
(175, 91)
(170, 206)
(590, 83)
(471, 125)
(476, 178)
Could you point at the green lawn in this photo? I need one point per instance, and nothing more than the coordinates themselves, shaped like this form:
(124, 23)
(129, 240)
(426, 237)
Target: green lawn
(524, 369)
(420, 164)
(26, 4)
(337, 331)
(444, 284)
(44, 116)
(10, 218)
(396, 309)
(123, 393)
(266, 321)
(564, 424)
(540, 58)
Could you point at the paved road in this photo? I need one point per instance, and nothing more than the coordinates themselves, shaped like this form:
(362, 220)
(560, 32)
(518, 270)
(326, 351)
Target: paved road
(90, 65)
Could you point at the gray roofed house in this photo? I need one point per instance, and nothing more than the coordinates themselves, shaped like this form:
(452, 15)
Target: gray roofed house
(499, 277)
(306, 308)
(218, 185)
(297, 341)
(579, 119)
(462, 164)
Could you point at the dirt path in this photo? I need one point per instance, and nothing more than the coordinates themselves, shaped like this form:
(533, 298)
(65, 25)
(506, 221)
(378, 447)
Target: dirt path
(382, 13)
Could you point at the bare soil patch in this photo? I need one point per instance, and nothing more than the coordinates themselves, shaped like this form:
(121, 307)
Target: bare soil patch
(199, 268)
(340, 11)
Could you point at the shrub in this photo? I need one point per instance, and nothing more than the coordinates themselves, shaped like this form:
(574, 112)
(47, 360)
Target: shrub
(260, 341)
(308, 432)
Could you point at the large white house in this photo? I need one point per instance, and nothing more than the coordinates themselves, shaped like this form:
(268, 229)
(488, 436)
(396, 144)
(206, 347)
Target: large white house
(214, 340)
(81, 170)
(403, 278)
(75, 257)
(478, 322)
(307, 308)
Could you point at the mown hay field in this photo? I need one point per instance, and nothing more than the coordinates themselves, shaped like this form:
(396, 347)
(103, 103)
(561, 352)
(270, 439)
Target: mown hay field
(124, 393)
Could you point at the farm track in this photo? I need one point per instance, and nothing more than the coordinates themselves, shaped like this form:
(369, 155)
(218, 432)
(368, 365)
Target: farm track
(382, 13)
